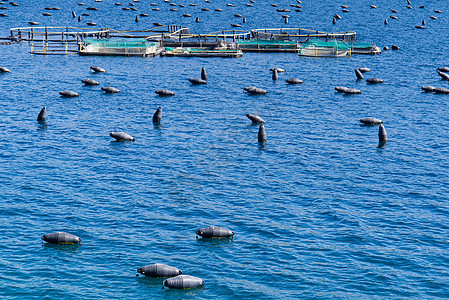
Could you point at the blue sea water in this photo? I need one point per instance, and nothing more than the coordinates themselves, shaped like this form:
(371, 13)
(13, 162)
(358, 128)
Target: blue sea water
(319, 211)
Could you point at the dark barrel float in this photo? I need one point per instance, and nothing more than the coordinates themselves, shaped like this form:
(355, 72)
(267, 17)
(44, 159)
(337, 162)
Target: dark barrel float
(42, 115)
(255, 118)
(159, 270)
(61, 238)
(255, 90)
(215, 232)
(110, 90)
(294, 81)
(370, 121)
(90, 82)
(183, 282)
(121, 136)
(164, 93)
(68, 94)
(157, 117)
(98, 69)
(196, 81)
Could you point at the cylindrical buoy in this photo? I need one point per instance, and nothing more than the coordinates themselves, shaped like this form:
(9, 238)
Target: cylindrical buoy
(275, 75)
(121, 136)
(68, 94)
(352, 91)
(340, 89)
(90, 81)
(427, 88)
(382, 134)
(203, 74)
(61, 238)
(255, 118)
(262, 134)
(164, 93)
(183, 282)
(197, 81)
(42, 115)
(157, 116)
(358, 74)
(370, 121)
(159, 270)
(374, 80)
(294, 81)
(364, 70)
(254, 90)
(215, 231)
(110, 90)
(97, 69)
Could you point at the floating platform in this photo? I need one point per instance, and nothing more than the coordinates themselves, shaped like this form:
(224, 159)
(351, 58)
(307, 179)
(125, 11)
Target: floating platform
(119, 47)
(201, 52)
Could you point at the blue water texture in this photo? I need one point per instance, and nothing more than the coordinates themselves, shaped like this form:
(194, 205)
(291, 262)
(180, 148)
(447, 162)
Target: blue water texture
(319, 211)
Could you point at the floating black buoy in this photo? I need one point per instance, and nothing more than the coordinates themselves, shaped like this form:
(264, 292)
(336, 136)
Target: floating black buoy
(197, 81)
(183, 282)
(255, 119)
(121, 136)
(370, 121)
(203, 74)
(275, 75)
(159, 270)
(294, 81)
(382, 134)
(441, 91)
(110, 90)
(61, 238)
(352, 91)
(358, 74)
(90, 82)
(98, 69)
(364, 70)
(42, 115)
(374, 80)
(157, 117)
(340, 89)
(262, 134)
(68, 94)
(254, 90)
(215, 231)
(427, 88)
(164, 93)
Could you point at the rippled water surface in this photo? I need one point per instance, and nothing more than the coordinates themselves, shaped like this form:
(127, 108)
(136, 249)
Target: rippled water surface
(319, 211)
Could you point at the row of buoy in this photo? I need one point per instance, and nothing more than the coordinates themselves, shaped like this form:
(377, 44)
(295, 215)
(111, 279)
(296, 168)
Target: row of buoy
(176, 279)
(443, 72)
